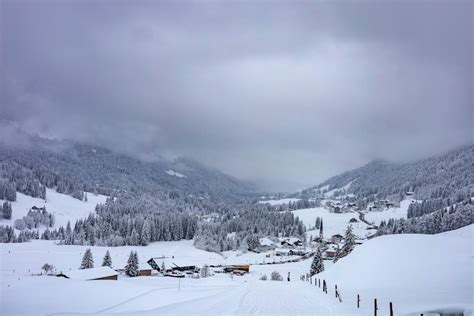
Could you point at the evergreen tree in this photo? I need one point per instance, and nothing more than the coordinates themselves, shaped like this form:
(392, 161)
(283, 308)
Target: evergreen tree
(349, 243)
(87, 260)
(131, 269)
(321, 236)
(107, 260)
(317, 266)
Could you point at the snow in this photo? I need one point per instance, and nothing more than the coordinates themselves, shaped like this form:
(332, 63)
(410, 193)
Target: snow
(279, 202)
(393, 212)
(333, 223)
(418, 273)
(64, 207)
(171, 172)
(90, 274)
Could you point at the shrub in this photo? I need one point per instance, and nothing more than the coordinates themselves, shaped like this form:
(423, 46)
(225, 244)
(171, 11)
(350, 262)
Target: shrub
(276, 276)
(263, 277)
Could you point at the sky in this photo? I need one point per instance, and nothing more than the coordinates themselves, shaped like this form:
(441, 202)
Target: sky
(281, 93)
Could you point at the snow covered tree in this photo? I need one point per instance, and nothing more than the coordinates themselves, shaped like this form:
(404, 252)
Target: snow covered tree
(321, 235)
(349, 243)
(87, 260)
(47, 267)
(317, 266)
(276, 276)
(107, 260)
(131, 269)
(205, 271)
(7, 210)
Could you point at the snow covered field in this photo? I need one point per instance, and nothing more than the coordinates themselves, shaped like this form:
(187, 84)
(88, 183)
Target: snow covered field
(64, 207)
(392, 212)
(279, 202)
(418, 273)
(333, 223)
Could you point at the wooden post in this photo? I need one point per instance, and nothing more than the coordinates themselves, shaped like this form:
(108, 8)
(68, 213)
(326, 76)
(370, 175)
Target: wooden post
(358, 300)
(391, 309)
(375, 307)
(319, 282)
(335, 290)
(311, 280)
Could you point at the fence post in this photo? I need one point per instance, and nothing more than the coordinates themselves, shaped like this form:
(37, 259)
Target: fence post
(319, 282)
(375, 307)
(335, 291)
(358, 300)
(391, 309)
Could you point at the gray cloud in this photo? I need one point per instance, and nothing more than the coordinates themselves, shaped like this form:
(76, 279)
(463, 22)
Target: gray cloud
(285, 93)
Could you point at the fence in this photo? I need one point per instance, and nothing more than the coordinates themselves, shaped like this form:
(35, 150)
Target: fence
(318, 282)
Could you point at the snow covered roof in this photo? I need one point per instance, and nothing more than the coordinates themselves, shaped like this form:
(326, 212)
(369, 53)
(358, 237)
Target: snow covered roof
(266, 241)
(90, 274)
(291, 240)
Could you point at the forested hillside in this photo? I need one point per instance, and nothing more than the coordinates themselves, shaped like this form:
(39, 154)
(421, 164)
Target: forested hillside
(72, 168)
(447, 176)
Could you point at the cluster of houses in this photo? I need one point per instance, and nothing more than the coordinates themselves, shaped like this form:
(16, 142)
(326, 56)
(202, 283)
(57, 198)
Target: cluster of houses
(380, 205)
(162, 266)
(340, 207)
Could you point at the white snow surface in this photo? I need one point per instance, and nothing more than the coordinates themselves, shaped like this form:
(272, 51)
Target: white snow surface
(90, 274)
(280, 201)
(393, 212)
(418, 273)
(171, 172)
(64, 207)
(333, 223)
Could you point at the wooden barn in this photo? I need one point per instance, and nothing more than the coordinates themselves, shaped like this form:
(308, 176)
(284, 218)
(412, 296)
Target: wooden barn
(101, 273)
(237, 267)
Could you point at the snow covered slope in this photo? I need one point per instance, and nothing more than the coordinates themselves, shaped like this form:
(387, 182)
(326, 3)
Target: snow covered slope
(417, 273)
(64, 207)
(333, 223)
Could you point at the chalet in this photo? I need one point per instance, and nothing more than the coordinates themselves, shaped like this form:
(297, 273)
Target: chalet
(163, 264)
(331, 252)
(101, 273)
(336, 238)
(292, 242)
(237, 269)
(282, 252)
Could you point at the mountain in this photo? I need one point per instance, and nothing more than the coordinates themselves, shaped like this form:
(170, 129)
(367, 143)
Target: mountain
(31, 162)
(446, 176)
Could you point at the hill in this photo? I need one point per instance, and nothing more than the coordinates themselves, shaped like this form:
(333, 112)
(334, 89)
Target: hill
(441, 180)
(32, 163)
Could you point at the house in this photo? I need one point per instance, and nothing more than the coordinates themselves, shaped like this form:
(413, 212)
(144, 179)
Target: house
(353, 220)
(331, 252)
(101, 273)
(291, 242)
(237, 268)
(164, 264)
(336, 238)
(282, 252)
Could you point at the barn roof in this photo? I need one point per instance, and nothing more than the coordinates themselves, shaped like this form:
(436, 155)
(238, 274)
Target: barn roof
(90, 274)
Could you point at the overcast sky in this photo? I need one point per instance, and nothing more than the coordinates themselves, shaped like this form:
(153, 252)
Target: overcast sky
(282, 93)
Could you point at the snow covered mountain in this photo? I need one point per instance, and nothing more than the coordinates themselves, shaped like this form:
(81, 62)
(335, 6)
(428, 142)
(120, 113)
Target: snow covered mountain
(72, 168)
(449, 175)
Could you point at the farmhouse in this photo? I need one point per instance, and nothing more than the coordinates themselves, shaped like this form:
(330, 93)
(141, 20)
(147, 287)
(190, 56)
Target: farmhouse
(331, 251)
(163, 264)
(102, 273)
(237, 269)
(292, 242)
(336, 238)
